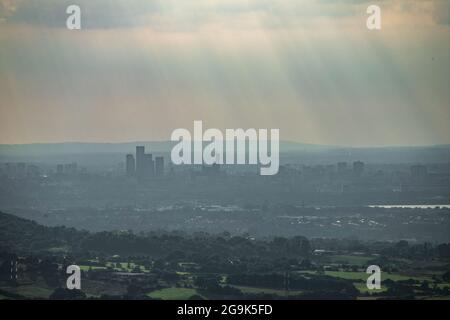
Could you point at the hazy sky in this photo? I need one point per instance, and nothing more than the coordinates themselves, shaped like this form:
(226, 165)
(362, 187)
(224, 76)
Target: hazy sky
(140, 68)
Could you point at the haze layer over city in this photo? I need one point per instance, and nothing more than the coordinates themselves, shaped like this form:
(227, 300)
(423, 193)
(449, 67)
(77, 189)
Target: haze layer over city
(362, 177)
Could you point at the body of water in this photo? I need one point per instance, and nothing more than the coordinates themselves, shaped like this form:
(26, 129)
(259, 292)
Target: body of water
(413, 206)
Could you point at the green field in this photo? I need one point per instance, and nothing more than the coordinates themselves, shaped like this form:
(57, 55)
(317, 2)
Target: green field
(350, 275)
(94, 288)
(86, 268)
(123, 266)
(173, 293)
(266, 290)
(362, 287)
(443, 285)
(30, 291)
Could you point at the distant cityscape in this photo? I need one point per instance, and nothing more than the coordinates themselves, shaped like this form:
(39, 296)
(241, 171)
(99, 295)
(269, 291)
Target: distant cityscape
(143, 166)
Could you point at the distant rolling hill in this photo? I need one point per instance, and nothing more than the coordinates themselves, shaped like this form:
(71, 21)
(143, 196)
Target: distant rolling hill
(291, 152)
(22, 235)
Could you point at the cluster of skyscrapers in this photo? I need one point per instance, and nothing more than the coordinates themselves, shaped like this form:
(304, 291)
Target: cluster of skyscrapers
(144, 166)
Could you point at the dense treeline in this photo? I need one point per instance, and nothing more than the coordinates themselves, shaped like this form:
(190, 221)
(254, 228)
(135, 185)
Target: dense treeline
(214, 266)
(20, 235)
